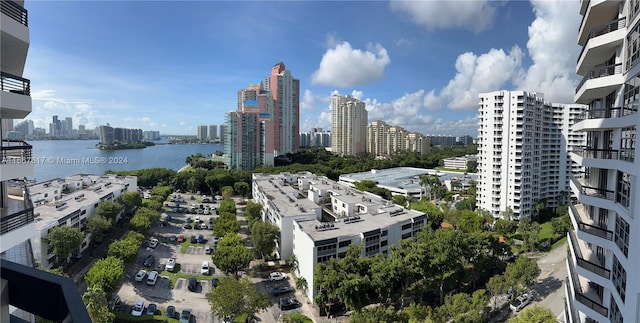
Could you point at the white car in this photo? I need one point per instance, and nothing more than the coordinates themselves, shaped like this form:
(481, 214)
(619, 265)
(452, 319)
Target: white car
(520, 302)
(171, 264)
(138, 309)
(140, 275)
(204, 270)
(276, 276)
(153, 243)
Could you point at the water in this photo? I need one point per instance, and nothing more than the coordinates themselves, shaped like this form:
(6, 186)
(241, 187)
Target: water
(62, 158)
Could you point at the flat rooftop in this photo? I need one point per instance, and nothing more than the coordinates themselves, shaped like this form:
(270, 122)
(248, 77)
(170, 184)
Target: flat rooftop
(404, 178)
(285, 197)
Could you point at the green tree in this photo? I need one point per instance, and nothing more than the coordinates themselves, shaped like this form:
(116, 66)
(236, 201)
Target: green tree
(226, 223)
(130, 200)
(150, 214)
(227, 192)
(497, 285)
(379, 314)
(469, 221)
(65, 241)
(227, 206)
(151, 204)
(252, 213)
(242, 188)
(530, 232)
(400, 200)
(58, 271)
(95, 300)
(302, 284)
(507, 214)
(234, 297)
(536, 314)
(140, 223)
(98, 225)
(462, 307)
(127, 248)
(231, 255)
(109, 210)
(446, 249)
(105, 273)
(294, 265)
(505, 227)
(264, 236)
(522, 273)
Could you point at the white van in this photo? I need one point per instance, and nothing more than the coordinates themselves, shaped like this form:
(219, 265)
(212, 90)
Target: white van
(153, 277)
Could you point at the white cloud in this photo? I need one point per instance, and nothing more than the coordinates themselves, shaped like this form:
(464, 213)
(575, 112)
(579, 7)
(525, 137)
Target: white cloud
(402, 42)
(310, 100)
(477, 15)
(553, 50)
(344, 66)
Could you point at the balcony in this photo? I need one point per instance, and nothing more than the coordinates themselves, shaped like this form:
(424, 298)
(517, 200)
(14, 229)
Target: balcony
(19, 210)
(584, 296)
(15, 152)
(614, 112)
(596, 153)
(593, 191)
(604, 47)
(587, 225)
(43, 294)
(586, 259)
(598, 82)
(15, 12)
(15, 99)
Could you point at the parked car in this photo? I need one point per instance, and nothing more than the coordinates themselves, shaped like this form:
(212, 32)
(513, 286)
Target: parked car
(204, 270)
(211, 220)
(180, 238)
(276, 276)
(140, 275)
(170, 312)
(149, 261)
(114, 303)
(138, 308)
(194, 239)
(207, 249)
(153, 243)
(281, 290)
(214, 282)
(288, 303)
(152, 278)
(185, 316)
(520, 302)
(171, 264)
(193, 284)
(151, 309)
(187, 225)
(173, 238)
(200, 238)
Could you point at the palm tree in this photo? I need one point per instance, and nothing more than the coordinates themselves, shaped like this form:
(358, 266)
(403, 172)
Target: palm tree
(294, 265)
(301, 284)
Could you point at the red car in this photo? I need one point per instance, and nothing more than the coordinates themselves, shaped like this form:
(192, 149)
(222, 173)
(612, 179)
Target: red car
(180, 237)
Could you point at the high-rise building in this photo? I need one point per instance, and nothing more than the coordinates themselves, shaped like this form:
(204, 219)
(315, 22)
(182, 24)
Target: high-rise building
(213, 132)
(349, 120)
(251, 130)
(522, 152)
(223, 133)
(384, 140)
(604, 243)
(315, 138)
(285, 91)
(203, 133)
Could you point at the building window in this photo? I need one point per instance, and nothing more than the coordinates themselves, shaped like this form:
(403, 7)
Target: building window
(343, 244)
(342, 255)
(622, 235)
(406, 235)
(619, 278)
(384, 233)
(633, 52)
(628, 144)
(95, 205)
(383, 243)
(623, 191)
(614, 312)
(406, 226)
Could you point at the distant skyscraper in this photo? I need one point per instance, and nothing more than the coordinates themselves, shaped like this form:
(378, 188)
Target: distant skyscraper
(349, 120)
(285, 91)
(223, 133)
(202, 133)
(213, 132)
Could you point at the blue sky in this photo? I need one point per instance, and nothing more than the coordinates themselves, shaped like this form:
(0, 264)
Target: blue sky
(170, 66)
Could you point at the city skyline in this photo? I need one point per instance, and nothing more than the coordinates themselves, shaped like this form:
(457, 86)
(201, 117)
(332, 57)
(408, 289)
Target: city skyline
(416, 70)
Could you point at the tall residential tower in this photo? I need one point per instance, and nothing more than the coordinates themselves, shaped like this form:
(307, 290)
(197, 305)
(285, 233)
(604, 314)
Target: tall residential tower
(285, 91)
(604, 245)
(349, 120)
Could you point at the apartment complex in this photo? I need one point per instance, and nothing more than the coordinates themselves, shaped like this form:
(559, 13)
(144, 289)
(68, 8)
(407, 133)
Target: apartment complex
(110, 135)
(459, 162)
(316, 137)
(250, 137)
(604, 245)
(319, 218)
(349, 119)
(442, 140)
(522, 149)
(384, 140)
(213, 132)
(285, 91)
(202, 133)
(71, 201)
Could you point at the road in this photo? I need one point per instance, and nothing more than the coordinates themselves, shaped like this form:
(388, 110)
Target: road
(550, 287)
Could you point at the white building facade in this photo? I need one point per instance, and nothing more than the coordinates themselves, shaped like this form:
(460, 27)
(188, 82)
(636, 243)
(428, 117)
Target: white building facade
(604, 245)
(351, 217)
(349, 118)
(71, 201)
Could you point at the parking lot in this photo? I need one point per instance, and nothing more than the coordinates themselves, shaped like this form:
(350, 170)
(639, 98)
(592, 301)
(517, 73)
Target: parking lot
(188, 264)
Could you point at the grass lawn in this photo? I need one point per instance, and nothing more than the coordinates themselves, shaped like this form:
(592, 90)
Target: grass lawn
(546, 231)
(558, 243)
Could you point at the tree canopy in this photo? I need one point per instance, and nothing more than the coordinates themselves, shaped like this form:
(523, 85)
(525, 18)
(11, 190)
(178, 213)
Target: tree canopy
(231, 255)
(105, 273)
(109, 210)
(234, 297)
(65, 241)
(95, 300)
(264, 235)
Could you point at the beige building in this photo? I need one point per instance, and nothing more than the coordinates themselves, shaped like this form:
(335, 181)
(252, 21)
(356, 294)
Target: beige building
(349, 120)
(384, 139)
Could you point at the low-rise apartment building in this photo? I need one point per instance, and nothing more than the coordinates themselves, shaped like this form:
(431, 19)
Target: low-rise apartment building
(71, 201)
(459, 162)
(319, 218)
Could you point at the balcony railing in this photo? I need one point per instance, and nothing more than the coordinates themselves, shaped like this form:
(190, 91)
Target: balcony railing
(600, 72)
(591, 229)
(14, 11)
(588, 152)
(14, 84)
(13, 221)
(586, 264)
(603, 29)
(592, 191)
(580, 296)
(15, 151)
(616, 112)
(50, 296)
